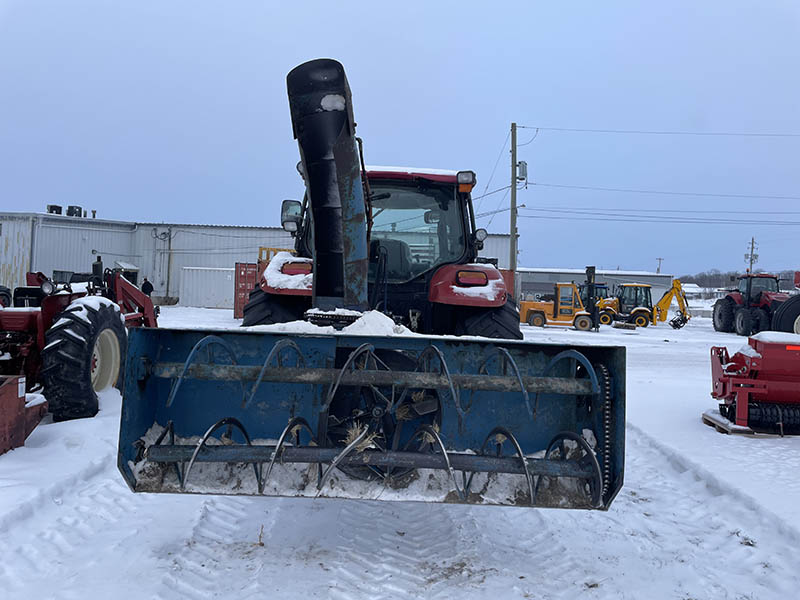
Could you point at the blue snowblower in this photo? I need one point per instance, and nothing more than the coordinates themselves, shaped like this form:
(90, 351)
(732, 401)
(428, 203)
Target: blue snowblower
(342, 411)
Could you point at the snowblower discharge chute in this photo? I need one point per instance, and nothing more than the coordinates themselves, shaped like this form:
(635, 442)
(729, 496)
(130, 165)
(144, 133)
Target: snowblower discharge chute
(395, 416)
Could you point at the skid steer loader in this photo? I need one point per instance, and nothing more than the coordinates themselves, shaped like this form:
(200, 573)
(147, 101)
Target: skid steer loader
(363, 410)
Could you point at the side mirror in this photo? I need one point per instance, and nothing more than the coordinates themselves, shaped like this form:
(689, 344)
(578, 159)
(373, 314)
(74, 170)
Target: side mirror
(291, 215)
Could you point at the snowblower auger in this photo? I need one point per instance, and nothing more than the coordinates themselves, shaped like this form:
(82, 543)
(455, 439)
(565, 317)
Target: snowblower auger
(371, 417)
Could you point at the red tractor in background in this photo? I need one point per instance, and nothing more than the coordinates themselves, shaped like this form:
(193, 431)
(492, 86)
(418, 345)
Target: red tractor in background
(70, 339)
(758, 305)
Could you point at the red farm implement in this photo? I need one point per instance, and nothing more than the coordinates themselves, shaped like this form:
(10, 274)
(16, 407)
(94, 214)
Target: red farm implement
(758, 387)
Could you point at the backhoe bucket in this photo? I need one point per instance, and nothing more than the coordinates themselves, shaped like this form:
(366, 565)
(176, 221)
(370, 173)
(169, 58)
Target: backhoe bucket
(406, 418)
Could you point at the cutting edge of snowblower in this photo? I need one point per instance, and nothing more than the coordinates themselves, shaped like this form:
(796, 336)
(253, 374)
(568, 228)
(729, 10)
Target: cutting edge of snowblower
(425, 418)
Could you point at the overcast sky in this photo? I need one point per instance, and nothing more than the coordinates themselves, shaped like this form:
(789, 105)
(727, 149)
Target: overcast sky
(177, 111)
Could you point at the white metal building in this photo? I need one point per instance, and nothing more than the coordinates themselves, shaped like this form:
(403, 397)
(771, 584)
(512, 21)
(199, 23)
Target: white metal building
(48, 243)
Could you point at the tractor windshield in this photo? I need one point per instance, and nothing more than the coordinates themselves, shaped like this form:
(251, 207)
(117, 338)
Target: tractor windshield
(418, 225)
(760, 284)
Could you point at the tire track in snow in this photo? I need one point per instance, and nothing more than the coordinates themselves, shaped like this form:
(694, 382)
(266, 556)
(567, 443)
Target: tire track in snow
(668, 535)
(393, 550)
(57, 538)
(196, 571)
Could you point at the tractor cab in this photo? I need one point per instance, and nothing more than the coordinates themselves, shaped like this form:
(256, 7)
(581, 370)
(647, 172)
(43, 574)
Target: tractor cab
(635, 304)
(752, 286)
(634, 295)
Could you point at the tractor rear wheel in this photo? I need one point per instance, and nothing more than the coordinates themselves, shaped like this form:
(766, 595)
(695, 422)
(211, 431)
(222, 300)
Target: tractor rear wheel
(787, 316)
(536, 319)
(640, 320)
(501, 322)
(83, 354)
(5, 296)
(583, 323)
(268, 309)
(723, 315)
(743, 321)
(606, 317)
(760, 319)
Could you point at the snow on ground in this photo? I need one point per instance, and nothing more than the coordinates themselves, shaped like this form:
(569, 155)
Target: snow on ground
(702, 515)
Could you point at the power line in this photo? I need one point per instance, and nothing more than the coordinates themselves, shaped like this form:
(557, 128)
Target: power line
(489, 194)
(670, 210)
(662, 192)
(658, 132)
(565, 214)
(497, 211)
(497, 162)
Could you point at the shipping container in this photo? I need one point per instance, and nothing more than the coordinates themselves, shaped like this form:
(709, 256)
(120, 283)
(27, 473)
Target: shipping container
(207, 287)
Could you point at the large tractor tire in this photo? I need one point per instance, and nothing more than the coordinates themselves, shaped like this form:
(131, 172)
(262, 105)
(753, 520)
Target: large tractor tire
(268, 309)
(761, 320)
(5, 296)
(606, 317)
(743, 321)
(501, 322)
(84, 354)
(787, 316)
(723, 315)
(640, 320)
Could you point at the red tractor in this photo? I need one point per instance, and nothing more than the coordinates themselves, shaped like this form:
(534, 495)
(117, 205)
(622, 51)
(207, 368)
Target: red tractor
(422, 258)
(757, 305)
(70, 339)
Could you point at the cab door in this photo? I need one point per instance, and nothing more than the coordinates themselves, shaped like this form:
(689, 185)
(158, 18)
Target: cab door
(566, 302)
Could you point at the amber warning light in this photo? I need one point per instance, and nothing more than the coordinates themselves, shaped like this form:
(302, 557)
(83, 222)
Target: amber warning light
(471, 278)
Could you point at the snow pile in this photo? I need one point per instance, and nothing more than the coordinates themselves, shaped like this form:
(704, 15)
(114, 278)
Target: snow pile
(277, 279)
(748, 350)
(374, 322)
(371, 322)
(777, 337)
(34, 399)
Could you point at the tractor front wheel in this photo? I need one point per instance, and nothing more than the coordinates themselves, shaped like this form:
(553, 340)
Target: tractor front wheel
(268, 309)
(723, 315)
(501, 322)
(760, 320)
(743, 321)
(583, 323)
(83, 355)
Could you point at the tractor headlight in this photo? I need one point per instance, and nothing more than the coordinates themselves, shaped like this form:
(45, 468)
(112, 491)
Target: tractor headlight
(47, 287)
(481, 234)
(466, 180)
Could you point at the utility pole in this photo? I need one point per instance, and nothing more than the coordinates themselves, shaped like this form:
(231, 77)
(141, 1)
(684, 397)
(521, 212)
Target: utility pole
(658, 268)
(751, 256)
(512, 263)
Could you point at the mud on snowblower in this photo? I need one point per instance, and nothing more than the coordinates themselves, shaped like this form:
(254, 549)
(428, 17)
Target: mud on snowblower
(389, 417)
